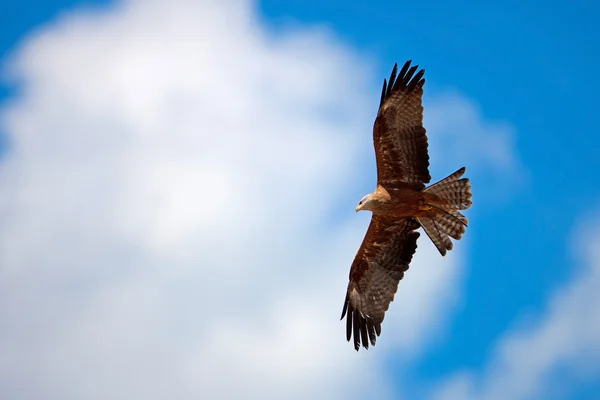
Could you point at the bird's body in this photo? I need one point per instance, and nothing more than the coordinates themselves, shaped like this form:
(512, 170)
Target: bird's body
(404, 201)
(401, 203)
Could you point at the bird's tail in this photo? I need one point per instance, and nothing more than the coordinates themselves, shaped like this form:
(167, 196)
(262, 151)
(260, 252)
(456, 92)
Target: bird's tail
(448, 222)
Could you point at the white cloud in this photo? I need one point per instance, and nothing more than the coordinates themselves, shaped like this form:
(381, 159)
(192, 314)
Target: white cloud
(465, 137)
(526, 359)
(162, 214)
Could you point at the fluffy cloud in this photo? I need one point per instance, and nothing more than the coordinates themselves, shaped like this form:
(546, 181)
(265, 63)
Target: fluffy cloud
(165, 218)
(464, 137)
(526, 359)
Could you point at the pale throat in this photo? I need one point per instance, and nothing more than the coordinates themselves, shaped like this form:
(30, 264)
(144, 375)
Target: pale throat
(373, 201)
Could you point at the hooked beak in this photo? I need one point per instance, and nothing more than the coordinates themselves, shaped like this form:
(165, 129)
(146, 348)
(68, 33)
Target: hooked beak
(357, 209)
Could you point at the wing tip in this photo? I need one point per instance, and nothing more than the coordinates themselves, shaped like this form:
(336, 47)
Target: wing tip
(360, 329)
(345, 309)
(404, 80)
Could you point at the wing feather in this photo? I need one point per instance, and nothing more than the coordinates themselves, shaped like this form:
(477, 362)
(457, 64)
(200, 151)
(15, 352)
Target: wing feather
(399, 137)
(379, 265)
(383, 92)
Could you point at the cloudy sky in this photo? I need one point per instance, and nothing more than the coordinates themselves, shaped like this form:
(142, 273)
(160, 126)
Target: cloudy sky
(177, 191)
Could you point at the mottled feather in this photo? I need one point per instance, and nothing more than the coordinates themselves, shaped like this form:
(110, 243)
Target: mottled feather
(449, 222)
(453, 189)
(379, 265)
(399, 137)
(437, 235)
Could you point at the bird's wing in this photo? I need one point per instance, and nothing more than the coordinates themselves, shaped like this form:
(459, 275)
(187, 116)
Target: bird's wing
(380, 263)
(399, 136)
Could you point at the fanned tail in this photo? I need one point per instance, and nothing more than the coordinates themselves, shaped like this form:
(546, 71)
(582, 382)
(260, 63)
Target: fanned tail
(450, 223)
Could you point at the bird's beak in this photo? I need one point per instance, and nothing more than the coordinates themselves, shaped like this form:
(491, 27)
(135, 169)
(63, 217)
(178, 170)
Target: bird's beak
(357, 209)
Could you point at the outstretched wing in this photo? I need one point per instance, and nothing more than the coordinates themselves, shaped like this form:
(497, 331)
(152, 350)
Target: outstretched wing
(380, 263)
(399, 136)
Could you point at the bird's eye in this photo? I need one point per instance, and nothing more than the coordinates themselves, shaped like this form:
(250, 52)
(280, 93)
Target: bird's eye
(360, 203)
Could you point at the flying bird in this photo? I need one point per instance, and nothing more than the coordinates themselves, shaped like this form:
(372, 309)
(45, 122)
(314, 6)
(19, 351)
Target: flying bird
(401, 203)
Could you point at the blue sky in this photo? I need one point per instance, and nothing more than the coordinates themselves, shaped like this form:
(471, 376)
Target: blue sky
(535, 67)
(526, 70)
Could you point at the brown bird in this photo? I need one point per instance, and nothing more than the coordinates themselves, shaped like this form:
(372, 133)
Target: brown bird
(400, 204)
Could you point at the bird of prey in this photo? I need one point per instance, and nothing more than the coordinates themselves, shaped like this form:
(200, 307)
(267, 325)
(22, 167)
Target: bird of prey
(401, 203)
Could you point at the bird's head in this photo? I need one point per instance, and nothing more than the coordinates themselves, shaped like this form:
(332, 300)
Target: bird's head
(364, 203)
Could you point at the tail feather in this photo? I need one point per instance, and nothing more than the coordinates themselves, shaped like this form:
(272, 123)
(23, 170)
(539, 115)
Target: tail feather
(456, 193)
(454, 190)
(436, 234)
(451, 225)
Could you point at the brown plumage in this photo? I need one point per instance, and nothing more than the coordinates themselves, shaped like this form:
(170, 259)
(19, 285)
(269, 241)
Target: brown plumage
(400, 204)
